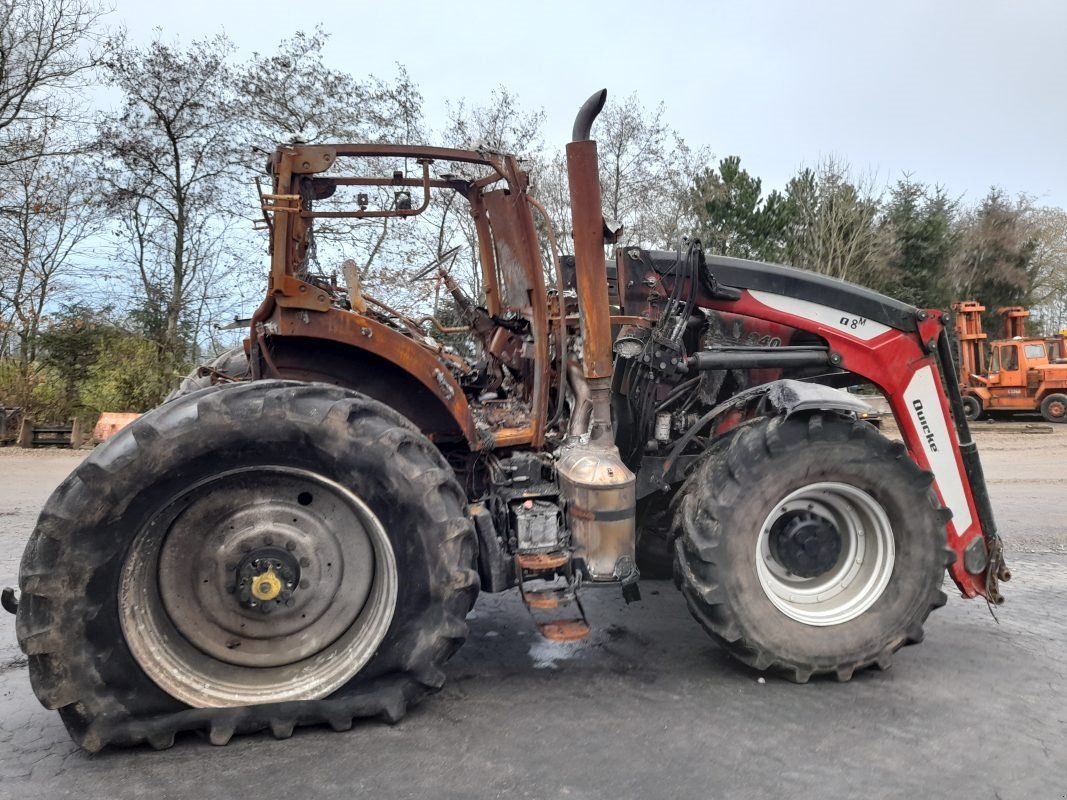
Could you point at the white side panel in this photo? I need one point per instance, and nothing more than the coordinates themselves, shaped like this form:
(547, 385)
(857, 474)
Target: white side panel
(852, 324)
(923, 399)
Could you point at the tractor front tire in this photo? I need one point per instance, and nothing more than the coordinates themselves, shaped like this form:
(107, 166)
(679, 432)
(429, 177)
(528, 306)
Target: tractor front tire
(255, 556)
(232, 364)
(810, 545)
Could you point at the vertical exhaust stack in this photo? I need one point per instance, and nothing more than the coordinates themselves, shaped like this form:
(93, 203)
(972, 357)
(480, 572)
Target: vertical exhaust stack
(587, 215)
(598, 487)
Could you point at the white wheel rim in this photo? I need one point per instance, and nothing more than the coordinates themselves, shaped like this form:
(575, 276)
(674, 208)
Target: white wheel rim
(862, 569)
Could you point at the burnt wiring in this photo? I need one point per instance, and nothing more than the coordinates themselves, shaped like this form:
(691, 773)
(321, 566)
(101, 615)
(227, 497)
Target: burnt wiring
(663, 349)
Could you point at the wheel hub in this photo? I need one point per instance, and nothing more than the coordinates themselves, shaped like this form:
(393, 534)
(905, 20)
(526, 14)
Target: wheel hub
(266, 578)
(805, 543)
(825, 553)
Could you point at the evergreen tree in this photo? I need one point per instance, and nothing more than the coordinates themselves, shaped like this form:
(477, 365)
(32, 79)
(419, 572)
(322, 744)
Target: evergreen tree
(919, 233)
(734, 218)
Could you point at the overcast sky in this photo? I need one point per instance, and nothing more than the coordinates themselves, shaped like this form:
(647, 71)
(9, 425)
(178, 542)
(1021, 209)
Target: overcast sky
(966, 93)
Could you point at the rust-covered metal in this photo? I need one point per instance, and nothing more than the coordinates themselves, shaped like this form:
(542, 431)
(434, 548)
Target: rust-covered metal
(371, 336)
(592, 279)
(512, 280)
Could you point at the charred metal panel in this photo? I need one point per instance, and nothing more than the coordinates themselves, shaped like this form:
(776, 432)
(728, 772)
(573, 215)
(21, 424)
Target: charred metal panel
(363, 333)
(510, 250)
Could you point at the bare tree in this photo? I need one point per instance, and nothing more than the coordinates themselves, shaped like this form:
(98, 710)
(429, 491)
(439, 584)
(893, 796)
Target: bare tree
(47, 217)
(501, 125)
(1049, 270)
(994, 261)
(47, 48)
(169, 156)
(646, 170)
(294, 96)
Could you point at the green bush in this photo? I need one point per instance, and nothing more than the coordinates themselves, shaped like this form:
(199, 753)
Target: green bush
(87, 365)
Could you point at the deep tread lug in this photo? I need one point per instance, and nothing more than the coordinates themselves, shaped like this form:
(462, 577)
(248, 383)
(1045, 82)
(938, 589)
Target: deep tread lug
(220, 735)
(281, 728)
(395, 708)
(161, 741)
(341, 724)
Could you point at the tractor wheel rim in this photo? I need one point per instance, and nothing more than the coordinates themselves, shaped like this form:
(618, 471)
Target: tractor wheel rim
(258, 585)
(1057, 409)
(858, 575)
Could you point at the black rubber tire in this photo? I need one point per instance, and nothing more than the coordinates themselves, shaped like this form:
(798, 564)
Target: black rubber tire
(1051, 402)
(972, 407)
(233, 363)
(68, 618)
(721, 507)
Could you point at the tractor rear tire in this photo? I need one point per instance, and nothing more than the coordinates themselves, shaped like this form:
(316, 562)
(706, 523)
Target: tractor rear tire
(972, 407)
(136, 565)
(1054, 408)
(810, 545)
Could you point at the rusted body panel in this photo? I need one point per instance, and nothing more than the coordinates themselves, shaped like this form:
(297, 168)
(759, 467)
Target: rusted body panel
(369, 335)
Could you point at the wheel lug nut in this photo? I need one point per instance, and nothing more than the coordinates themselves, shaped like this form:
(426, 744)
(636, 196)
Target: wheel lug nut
(268, 539)
(305, 562)
(304, 583)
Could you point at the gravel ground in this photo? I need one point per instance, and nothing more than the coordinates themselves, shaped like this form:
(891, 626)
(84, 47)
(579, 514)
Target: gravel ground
(647, 706)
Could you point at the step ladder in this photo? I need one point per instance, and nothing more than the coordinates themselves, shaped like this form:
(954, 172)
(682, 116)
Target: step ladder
(555, 591)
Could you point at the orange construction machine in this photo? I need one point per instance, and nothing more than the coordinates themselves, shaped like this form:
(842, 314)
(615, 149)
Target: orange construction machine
(1022, 373)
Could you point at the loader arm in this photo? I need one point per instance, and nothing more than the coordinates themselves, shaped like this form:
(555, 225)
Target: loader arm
(902, 350)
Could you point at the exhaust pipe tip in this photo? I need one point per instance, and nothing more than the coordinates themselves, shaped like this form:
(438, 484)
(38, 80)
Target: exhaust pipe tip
(591, 108)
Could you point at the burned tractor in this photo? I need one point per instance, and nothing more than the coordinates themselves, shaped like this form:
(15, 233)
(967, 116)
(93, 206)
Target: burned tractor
(298, 536)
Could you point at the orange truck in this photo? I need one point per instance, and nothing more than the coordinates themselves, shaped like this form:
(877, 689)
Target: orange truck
(1021, 373)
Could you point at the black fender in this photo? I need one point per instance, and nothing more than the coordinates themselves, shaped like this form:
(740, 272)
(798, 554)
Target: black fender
(788, 397)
